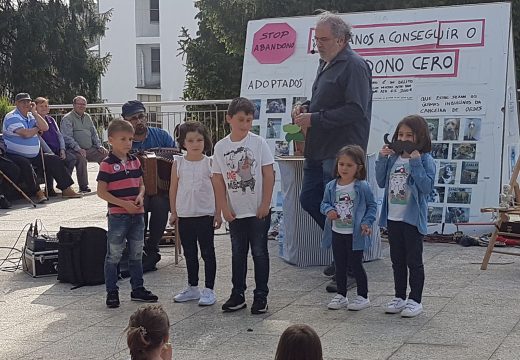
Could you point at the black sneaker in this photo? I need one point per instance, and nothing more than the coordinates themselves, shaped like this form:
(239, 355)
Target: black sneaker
(141, 294)
(235, 302)
(4, 203)
(113, 299)
(259, 306)
(332, 287)
(329, 270)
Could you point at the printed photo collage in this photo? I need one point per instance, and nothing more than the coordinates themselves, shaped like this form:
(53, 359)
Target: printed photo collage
(270, 115)
(454, 148)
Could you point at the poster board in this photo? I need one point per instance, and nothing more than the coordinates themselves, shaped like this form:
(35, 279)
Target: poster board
(452, 65)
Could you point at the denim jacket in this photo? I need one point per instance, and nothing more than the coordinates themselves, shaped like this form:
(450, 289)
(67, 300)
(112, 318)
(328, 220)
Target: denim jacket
(365, 208)
(420, 182)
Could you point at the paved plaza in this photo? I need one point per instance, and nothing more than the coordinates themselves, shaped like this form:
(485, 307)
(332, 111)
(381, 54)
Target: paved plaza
(469, 313)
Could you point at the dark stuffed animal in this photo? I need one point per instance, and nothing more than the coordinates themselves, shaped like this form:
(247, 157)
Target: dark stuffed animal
(400, 146)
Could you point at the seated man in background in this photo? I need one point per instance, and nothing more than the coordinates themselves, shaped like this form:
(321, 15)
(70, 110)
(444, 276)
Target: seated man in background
(157, 206)
(21, 128)
(82, 140)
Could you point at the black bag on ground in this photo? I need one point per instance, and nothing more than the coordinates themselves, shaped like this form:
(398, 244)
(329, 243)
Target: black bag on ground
(81, 255)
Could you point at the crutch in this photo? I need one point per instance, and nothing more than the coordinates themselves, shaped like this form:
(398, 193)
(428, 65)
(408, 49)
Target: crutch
(17, 188)
(44, 172)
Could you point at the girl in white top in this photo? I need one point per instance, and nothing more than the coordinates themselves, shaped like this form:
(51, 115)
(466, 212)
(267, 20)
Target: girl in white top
(192, 202)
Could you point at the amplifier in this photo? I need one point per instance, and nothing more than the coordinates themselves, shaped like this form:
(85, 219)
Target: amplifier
(40, 263)
(41, 242)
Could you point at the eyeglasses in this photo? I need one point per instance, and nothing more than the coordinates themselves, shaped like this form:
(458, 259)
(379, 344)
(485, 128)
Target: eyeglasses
(139, 117)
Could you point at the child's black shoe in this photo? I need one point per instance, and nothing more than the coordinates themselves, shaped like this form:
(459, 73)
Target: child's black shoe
(141, 294)
(113, 299)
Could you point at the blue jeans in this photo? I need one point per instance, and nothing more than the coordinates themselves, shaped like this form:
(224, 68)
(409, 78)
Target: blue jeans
(245, 232)
(316, 174)
(123, 227)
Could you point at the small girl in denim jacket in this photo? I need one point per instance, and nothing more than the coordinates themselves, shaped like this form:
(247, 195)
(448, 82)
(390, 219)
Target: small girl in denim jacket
(408, 180)
(349, 204)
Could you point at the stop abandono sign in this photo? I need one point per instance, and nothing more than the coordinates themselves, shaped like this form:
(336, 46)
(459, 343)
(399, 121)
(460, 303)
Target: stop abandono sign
(274, 43)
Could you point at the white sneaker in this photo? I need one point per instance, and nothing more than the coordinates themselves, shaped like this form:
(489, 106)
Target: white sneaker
(339, 301)
(411, 309)
(189, 293)
(359, 303)
(207, 297)
(395, 306)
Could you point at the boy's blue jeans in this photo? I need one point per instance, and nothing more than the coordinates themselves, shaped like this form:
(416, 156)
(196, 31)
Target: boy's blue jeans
(123, 227)
(245, 232)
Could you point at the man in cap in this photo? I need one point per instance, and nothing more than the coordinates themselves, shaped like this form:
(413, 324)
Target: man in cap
(157, 206)
(81, 138)
(21, 129)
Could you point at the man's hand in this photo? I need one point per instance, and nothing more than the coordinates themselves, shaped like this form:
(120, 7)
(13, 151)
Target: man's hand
(82, 152)
(297, 110)
(332, 215)
(139, 200)
(304, 120)
(173, 218)
(365, 229)
(62, 154)
(385, 151)
(262, 211)
(33, 108)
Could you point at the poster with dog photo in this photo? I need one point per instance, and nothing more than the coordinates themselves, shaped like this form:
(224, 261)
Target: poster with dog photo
(464, 151)
(457, 215)
(459, 195)
(469, 172)
(437, 195)
(298, 100)
(440, 150)
(274, 127)
(276, 106)
(450, 129)
(433, 127)
(447, 172)
(281, 148)
(435, 214)
(257, 103)
(472, 128)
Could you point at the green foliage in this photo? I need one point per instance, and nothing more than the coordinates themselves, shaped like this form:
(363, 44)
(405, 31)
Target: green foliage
(215, 56)
(5, 107)
(48, 53)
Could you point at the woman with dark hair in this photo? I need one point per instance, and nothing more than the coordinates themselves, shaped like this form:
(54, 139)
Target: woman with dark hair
(299, 342)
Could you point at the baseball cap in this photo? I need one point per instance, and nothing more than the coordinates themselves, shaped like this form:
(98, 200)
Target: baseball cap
(22, 96)
(132, 107)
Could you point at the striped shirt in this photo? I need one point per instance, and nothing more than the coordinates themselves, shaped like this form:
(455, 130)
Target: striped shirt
(15, 144)
(123, 179)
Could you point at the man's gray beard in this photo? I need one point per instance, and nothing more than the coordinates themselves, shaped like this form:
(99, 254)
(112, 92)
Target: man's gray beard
(140, 130)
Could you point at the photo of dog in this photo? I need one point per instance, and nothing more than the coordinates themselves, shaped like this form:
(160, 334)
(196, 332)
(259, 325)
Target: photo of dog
(447, 172)
(440, 150)
(469, 172)
(459, 195)
(298, 100)
(255, 129)
(433, 128)
(464, 151)
(437, 195)
(274, 127)
(281, 148)
(457, 215)
(276, 106)
(435, 214)
(450, 130)
(472, 129)
(257, 103)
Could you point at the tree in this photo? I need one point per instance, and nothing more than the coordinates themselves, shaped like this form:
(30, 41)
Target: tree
(223, 26)
(50, 54)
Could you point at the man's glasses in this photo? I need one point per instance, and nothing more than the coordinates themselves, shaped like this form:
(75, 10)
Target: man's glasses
(139, 117)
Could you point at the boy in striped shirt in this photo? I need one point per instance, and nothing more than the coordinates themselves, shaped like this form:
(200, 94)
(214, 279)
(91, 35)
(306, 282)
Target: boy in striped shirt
(120, 184)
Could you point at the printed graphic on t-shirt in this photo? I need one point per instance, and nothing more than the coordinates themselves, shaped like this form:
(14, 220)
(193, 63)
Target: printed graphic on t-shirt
(345, 209)
(240, 170)
(398, 189)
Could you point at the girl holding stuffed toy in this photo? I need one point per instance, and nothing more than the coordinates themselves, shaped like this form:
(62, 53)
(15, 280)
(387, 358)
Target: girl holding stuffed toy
(406, 170)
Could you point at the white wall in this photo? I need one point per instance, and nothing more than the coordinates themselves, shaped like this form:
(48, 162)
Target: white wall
(120, 80)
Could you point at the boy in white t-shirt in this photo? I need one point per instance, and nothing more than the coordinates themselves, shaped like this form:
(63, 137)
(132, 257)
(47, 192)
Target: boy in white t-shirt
(243, 179)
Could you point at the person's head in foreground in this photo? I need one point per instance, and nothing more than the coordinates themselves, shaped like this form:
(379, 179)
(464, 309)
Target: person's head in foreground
(299, 342)
(148, 335)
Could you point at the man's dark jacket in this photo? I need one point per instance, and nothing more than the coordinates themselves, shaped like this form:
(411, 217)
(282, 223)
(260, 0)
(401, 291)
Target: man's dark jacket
(341, 106)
